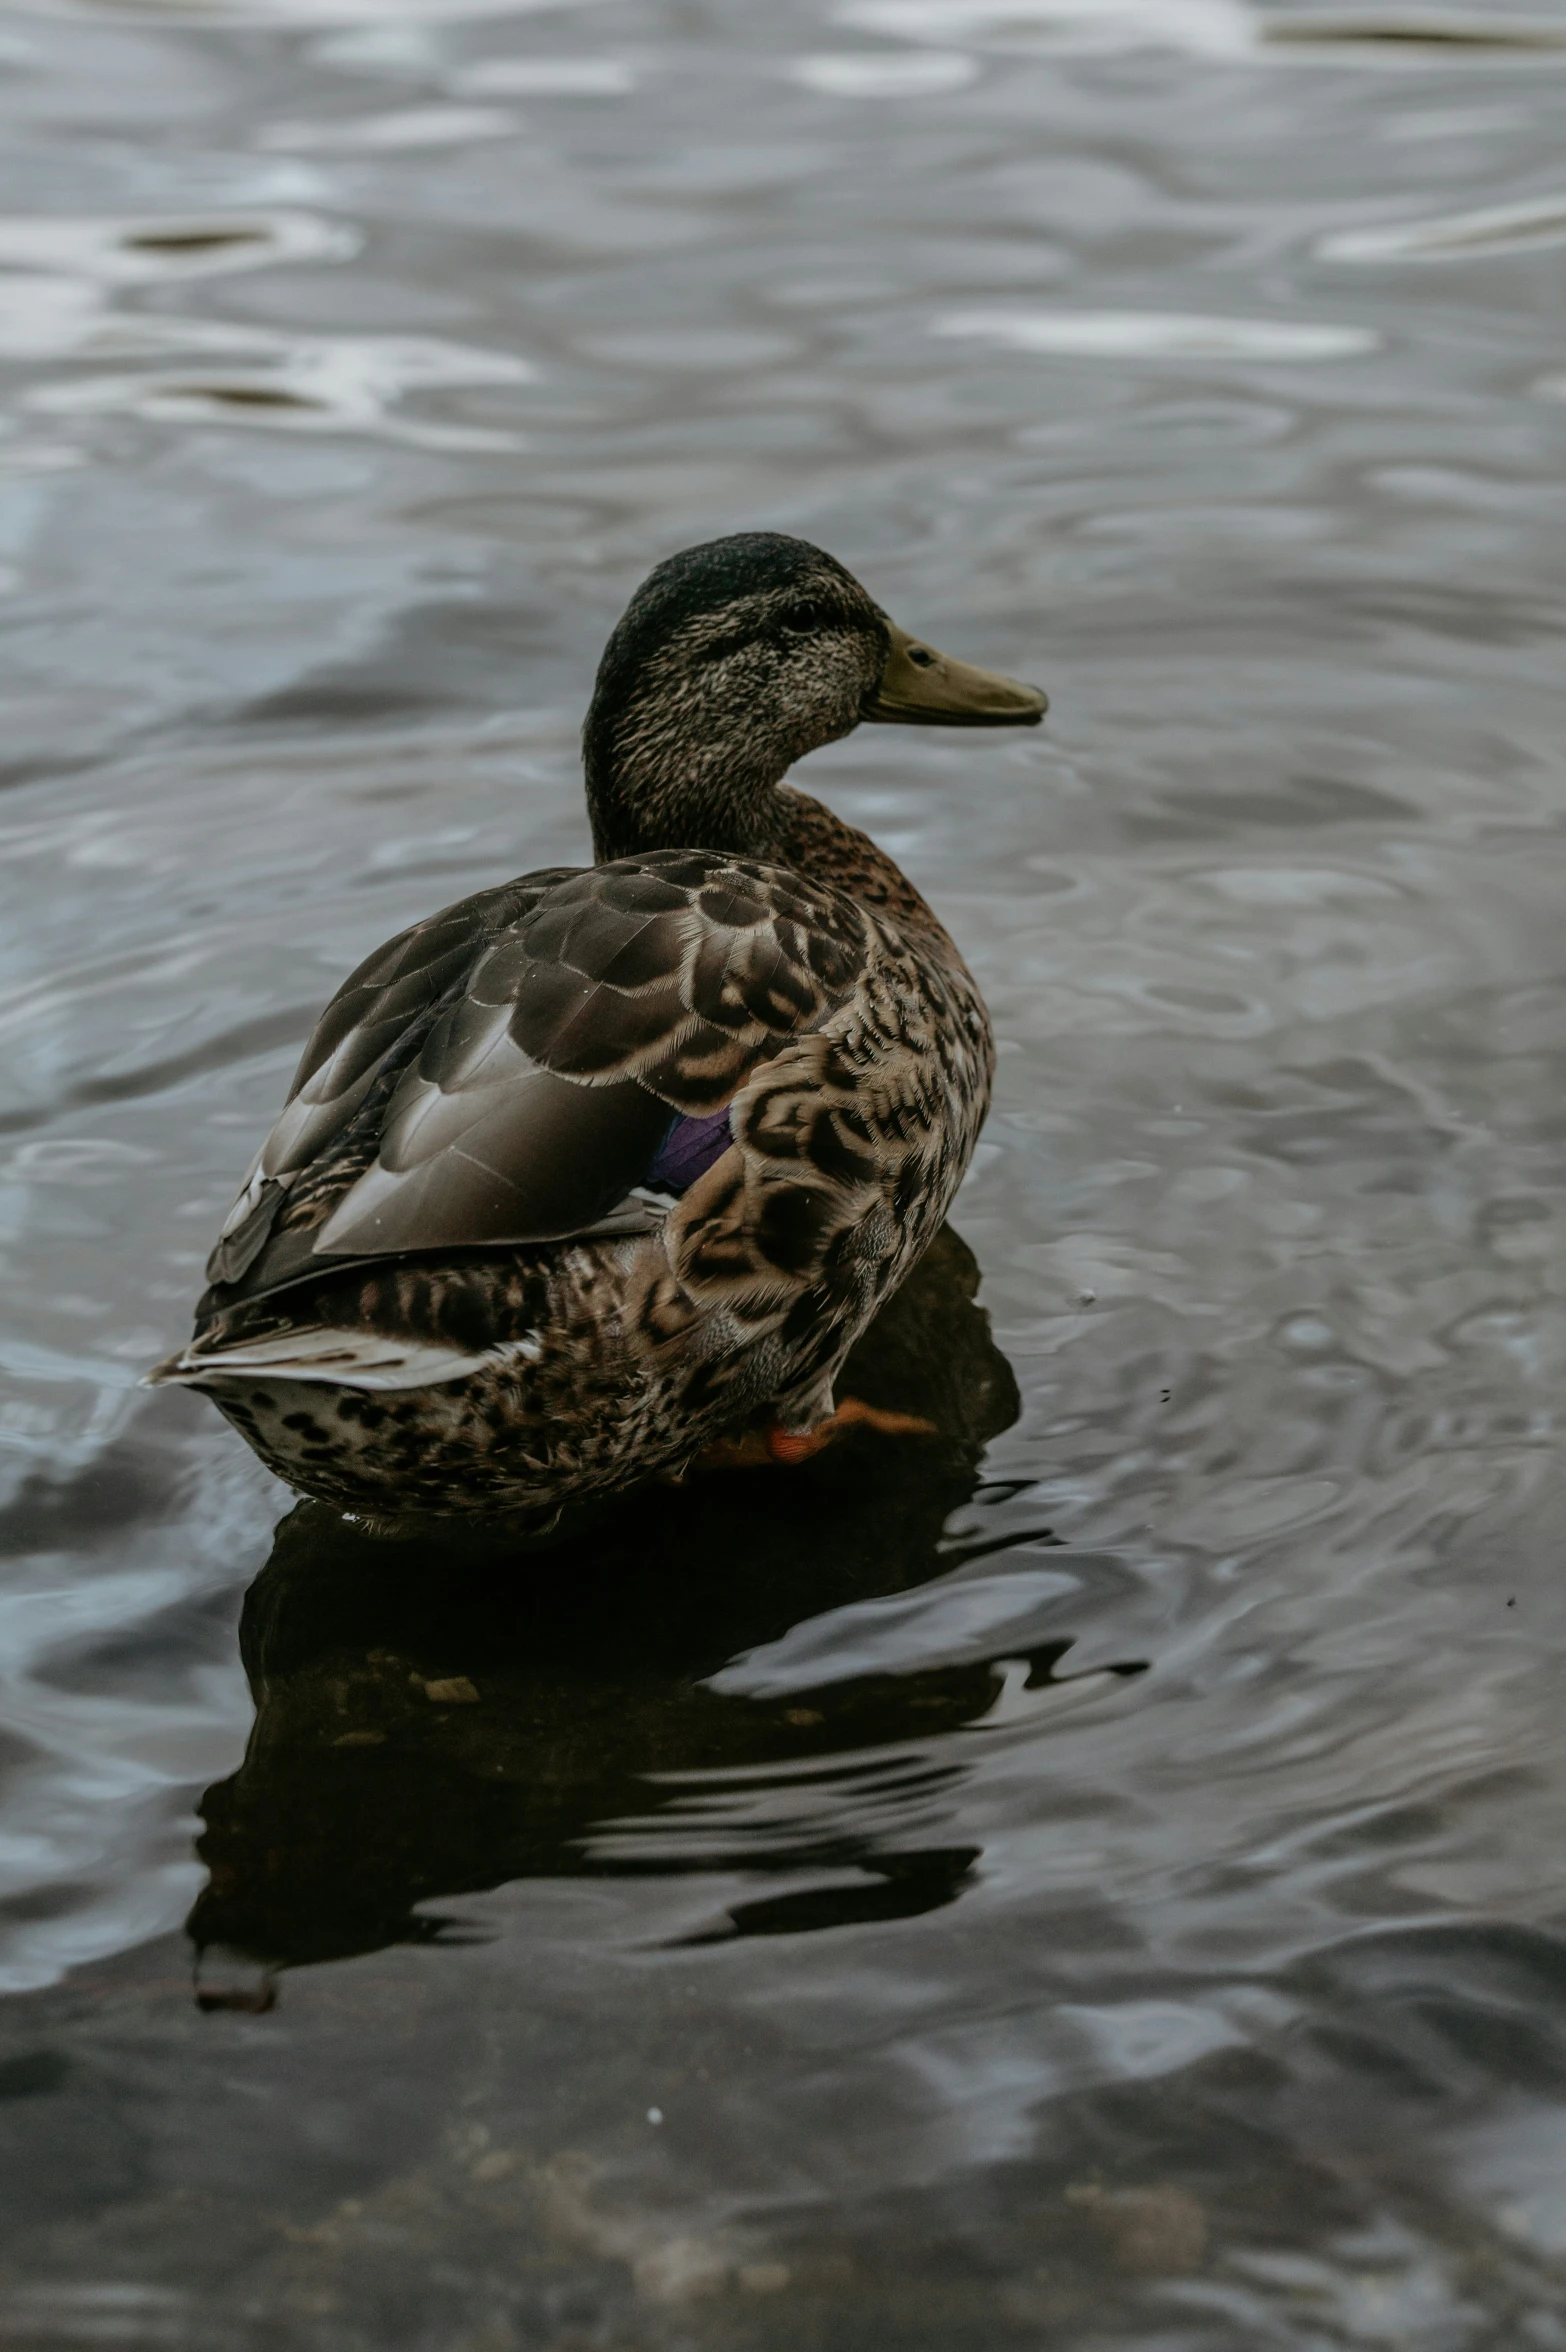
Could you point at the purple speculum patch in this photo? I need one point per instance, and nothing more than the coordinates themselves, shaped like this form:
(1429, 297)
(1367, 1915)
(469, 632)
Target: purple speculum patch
(688, 1150)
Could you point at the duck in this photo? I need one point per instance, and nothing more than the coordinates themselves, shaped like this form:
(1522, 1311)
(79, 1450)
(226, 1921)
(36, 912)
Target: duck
(598, 1175)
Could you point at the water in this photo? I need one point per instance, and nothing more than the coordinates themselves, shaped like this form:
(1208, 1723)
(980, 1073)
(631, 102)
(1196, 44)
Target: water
(1091, 1880)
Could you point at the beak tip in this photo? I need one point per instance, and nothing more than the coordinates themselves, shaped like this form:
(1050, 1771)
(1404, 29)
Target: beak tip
(1025, 706)
(920, 687)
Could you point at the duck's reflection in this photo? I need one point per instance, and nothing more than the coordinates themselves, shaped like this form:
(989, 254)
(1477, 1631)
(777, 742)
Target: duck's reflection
(432, 1720)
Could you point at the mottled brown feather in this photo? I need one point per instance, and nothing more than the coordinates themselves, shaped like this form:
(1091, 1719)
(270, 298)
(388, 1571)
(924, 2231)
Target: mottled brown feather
(430, 1091)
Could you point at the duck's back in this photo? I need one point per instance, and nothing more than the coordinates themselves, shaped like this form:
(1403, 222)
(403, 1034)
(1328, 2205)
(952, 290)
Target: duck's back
(508, 1069)
(626, 1100)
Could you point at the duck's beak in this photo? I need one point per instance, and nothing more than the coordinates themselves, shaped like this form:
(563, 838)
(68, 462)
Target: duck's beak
(922, 688)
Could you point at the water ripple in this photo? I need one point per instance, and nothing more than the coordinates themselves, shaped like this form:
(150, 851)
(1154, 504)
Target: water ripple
(131, 250)
(305, 383)
(1208, 28)
(1498, 228)
(1406, 32)
(884, 74)
(547, 77)
(1122, 334)
(374, 134)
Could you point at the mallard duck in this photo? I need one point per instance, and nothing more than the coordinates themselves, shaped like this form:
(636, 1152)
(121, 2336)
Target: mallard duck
(603, 1171)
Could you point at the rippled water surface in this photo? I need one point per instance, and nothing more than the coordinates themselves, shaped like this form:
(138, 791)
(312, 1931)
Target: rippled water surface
(1092, 1879)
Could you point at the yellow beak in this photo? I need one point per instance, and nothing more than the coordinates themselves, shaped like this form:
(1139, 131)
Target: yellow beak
(922, 688)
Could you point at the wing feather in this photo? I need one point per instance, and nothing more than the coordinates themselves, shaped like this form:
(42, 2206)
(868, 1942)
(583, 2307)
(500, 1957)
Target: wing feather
(505, 1071)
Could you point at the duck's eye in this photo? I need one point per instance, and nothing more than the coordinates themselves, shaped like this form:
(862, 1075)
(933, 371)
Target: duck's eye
(804, 616)
(921, 657)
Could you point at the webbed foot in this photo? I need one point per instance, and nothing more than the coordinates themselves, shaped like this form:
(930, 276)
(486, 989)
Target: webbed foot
(755, 1449)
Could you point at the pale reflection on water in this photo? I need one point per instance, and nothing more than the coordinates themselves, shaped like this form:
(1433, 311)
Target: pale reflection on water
(1093, 1882)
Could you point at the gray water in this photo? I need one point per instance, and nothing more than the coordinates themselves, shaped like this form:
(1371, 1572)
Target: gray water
(1105, 1893)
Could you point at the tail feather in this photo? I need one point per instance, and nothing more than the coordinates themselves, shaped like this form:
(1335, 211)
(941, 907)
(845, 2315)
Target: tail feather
(331, 1358)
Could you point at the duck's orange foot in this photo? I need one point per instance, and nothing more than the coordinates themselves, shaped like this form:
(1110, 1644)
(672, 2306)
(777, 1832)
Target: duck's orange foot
(797, 1445)
(757, 1447)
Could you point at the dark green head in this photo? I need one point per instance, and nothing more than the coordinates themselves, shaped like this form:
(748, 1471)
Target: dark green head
(733, 660)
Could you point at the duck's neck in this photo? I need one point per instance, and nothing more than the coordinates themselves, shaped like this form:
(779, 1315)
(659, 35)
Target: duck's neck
(657, 780)
(649, 788)
(816, 842)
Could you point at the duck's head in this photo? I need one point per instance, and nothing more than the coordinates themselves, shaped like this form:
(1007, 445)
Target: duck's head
(733, 660)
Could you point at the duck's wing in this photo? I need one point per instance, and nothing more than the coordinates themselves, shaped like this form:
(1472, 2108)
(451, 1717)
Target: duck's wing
(507, 1071)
